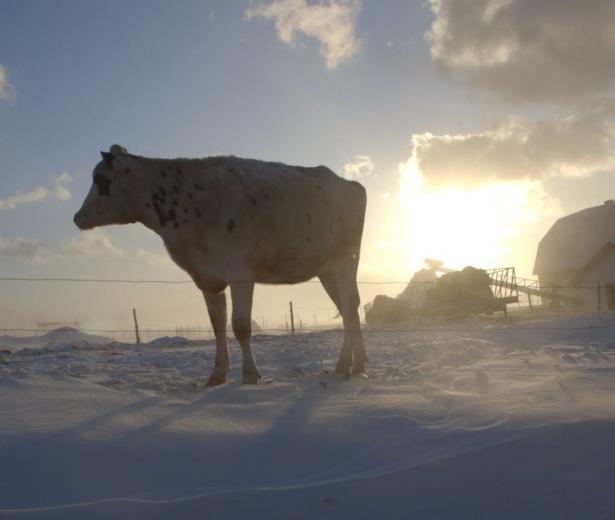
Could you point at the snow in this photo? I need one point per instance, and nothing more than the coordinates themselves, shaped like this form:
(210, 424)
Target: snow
(468, 420)
(59, 336)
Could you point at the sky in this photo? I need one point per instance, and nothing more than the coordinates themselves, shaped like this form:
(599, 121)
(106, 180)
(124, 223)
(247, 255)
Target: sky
(473, 125)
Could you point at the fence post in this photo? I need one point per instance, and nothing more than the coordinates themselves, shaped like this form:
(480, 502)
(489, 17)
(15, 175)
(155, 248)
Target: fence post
(599, 302)
(134, 315)
(292, 318)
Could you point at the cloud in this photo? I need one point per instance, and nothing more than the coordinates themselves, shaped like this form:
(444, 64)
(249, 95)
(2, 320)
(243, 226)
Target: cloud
(561, 146)
(12, 201)
(58, 189)
(359, 168)
(94, 243)
(155, 260)
(7, 91)
(331, 22)
(528, 50)
(22, 248)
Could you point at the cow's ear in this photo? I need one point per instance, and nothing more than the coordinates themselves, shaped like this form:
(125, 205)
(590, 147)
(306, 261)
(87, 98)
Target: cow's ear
(108, 157)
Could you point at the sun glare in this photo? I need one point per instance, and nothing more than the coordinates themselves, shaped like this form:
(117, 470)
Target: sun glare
(466, 226)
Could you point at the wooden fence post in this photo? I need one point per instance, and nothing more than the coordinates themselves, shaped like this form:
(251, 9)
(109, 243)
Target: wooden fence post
(599, 302)
(292, 318)
(137, 338)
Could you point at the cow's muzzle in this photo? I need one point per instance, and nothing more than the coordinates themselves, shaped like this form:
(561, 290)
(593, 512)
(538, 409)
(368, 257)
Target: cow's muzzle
(80, 221)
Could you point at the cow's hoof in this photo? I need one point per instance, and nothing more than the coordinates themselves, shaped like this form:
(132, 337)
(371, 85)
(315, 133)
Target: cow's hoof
(216, 380)
(359, 374)
(343, 369)
(358, 369)
(251, 379)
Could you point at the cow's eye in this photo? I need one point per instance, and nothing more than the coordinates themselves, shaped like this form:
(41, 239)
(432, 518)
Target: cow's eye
(103, 184)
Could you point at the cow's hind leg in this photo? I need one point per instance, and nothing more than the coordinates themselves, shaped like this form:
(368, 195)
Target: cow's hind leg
(349, 303)
(216, 306)
(341, 285)
(241, 294)
(329, 282)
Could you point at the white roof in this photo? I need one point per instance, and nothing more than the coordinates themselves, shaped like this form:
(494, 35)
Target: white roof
(575, 239)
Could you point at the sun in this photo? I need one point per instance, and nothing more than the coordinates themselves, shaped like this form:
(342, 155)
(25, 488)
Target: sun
(465, 226)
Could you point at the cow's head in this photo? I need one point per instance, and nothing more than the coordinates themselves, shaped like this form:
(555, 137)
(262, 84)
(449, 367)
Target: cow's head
(109, 200)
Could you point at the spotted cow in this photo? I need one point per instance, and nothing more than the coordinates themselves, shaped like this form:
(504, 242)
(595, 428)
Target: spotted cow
(233, 222)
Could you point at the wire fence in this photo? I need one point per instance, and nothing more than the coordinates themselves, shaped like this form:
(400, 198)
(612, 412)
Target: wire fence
(602, 295)
(127, 336)
(182, 282)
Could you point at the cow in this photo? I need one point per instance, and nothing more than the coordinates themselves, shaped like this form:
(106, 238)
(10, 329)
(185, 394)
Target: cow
(233, 222)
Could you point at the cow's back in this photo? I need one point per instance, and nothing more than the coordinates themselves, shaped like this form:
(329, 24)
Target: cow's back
(280, 223)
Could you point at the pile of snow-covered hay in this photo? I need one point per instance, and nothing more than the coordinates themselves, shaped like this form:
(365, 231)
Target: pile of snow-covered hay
(385, 310)
(460, 294)
(453, 295)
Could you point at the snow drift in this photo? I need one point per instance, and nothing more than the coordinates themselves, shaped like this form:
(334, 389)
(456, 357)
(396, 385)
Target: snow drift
(502, 421)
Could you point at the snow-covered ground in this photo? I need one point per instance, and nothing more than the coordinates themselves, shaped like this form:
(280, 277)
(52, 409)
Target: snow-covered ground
(503, 421)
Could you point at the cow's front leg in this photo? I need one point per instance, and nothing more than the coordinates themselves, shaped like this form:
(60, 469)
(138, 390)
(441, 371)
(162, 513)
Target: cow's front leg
(216, 306)
(241, 294)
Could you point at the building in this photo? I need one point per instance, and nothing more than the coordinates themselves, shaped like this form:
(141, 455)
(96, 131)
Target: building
(576, 258)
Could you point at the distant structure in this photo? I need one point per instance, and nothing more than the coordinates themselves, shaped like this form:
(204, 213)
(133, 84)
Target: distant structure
(415, 292)
(53, 325)
(577, 258)
(455, 294)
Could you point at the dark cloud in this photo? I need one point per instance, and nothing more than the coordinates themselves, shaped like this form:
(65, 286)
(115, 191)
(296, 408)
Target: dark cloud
(560, 51)
(518, 150)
